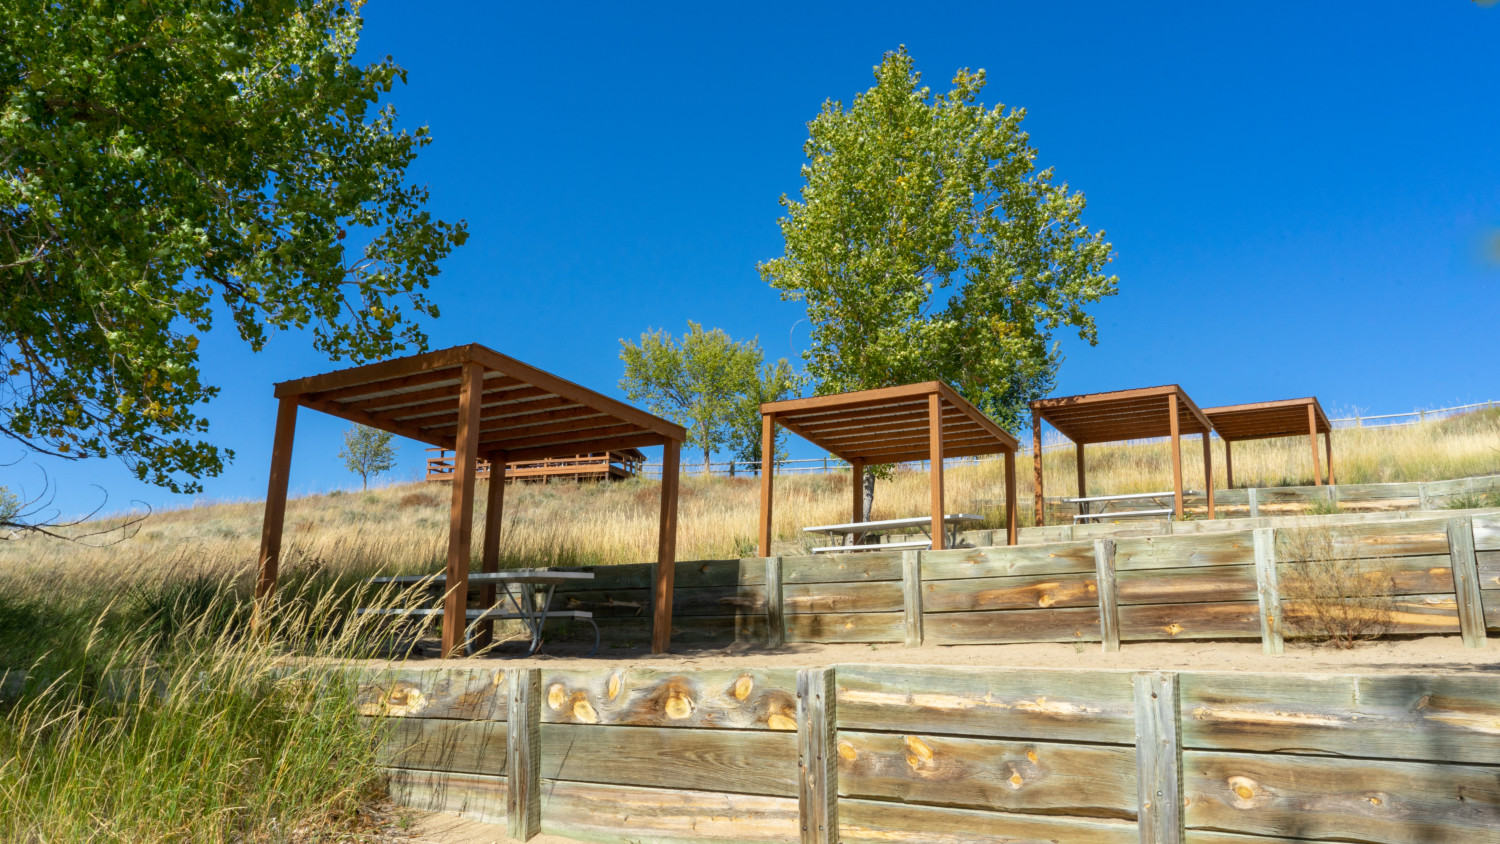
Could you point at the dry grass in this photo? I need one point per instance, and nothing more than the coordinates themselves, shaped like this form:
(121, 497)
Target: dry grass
(1328, 597)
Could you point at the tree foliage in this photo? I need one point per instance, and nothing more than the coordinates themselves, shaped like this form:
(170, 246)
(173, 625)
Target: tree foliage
(772, 382)
(927, 245)
(367, 452)
(702, 383)
(165, 163)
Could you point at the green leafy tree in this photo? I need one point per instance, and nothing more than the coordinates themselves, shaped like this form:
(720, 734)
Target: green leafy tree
(773, 382)
(10, 508)
(697, 383)
(926, 245)
(164, 163)
(367, 452)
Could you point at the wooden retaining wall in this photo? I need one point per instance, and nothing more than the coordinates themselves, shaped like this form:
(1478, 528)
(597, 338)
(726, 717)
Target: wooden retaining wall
(1444, 573)
(864, 753)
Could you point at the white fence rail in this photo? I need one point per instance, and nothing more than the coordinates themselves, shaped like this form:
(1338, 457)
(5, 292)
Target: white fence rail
(820, 465)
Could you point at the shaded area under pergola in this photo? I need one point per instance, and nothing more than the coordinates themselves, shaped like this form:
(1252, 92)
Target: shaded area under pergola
(1268, 420)
(926, 421)
(1122, 415)
(480, 404)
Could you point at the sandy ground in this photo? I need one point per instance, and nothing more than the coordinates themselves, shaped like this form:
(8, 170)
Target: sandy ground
(448, 829)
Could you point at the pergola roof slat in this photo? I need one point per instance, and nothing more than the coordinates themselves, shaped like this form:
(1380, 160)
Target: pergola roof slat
(1267, 419)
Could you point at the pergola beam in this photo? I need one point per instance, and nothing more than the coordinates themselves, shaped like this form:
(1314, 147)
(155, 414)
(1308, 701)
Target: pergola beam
(461, 515)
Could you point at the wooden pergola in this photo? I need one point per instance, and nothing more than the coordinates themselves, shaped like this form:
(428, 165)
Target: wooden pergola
(1269, 419)
(480, 404)
(926, 421)
(1123, 415)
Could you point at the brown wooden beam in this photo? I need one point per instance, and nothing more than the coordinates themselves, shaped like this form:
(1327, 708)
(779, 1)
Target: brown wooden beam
(1228, 466)
(857, 495)
(967, 409)
(935, 412)
(1012, 522)
(1328, 441)
(1208, 471)
(275, 514)
(847, 401)
(1176, 455)
(666, 545)
(571, 448)
(438, 416)
(494, 512)
(517, 422)
(358, 391)
(1083, 487)
(1036, 457)
(1312, 438)
(418, 398)
(461, 515)
(767, 473)
(383, 371)
(522, 433)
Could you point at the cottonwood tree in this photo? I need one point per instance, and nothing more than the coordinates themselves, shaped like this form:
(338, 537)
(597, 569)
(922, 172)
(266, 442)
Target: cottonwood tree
(367, 452)
(926, 244)
(164, 163)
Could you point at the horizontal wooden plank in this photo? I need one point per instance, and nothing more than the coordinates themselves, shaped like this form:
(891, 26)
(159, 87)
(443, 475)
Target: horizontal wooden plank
(1489, 569)
(1490, 598)
(749, 699)
(1077, 624)
(1221, 620)
(1050, 560)
(880, 822)
(841, 568)
(1186, 585)
(1402, 538)
(1091, 706)
(626, 815)
(1162, 552)
(688, 574)
(738, 761)
(688, 630)
(1487, 532)
(846, 627)
(1417, 717)
(1009, 593)
(713, 600)
(475, 796)
(1410, 614)
(436, 744)
(464, 693)
(876, 596)
(1345, 799)
(1004, 775)
(1419, 575)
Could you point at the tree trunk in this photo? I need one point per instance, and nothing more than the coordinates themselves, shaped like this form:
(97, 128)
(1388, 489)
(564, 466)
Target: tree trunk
(869, 495)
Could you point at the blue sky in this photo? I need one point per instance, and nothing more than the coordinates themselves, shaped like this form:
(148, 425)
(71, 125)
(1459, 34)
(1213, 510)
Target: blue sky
(1299, 194)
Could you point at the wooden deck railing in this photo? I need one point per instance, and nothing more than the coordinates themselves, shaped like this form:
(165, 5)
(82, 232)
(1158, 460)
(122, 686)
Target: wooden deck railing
(602, 466)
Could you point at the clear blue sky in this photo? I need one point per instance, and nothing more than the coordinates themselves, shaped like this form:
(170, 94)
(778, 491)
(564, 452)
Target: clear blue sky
(1299, 194)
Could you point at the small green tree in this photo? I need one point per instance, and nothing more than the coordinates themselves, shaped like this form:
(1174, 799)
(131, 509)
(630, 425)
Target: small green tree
(10, 507)
(368, 452)
(697, 383)
(773, 382)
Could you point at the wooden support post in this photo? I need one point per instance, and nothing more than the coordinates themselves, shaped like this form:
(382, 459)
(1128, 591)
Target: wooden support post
(775, 605)
(461, 514)
(857, 496)
(1176, 455)
(1109, 612)
(1208, 471)
(1466, 580)
(666, 546)
(523, 754)
(1036, 459)
(1328, 443)
(1312, 438)
(1012, 531)
(1268, 591)
(1423, 501)
(911, 595)
(1083, 488)
(275, 516)
(494, 512)
(767, 470)
(1254, 498)
(817, 757)
(935, 450)
(1228, 465)
(1158, 750)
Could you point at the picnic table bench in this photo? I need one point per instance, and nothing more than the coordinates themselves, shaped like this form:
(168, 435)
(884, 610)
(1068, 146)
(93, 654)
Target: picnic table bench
(1104, 502)
(520, 588)
(923, 523)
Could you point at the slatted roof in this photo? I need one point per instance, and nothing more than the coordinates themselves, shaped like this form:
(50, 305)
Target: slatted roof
(1263, 420)
(1122, 415)
(525, 413)
(890, 425)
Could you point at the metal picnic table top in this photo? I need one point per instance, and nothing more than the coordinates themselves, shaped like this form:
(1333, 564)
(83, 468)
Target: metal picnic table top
(538, 577)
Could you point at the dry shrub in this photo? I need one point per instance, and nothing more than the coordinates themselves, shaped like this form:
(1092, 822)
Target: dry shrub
(1327, 596)
(419, 499)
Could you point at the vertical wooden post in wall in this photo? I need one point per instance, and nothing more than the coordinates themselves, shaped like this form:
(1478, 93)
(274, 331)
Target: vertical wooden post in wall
(1228, 465)
(817, 756)
(666, 545)
(1036, 458)
(1158, 749)
(1011, 523)
(1328, 442)
(1471, 622)
(857, 496)
(461, 513)
(1208, 470)
(523, 754)
(275, 516)
(911, 597)
(1176, 454)
(1109, 611)
(935, 452)
(1268, 591)
(767, 470)
(1312, 439)
(775, 605)
(494, 512)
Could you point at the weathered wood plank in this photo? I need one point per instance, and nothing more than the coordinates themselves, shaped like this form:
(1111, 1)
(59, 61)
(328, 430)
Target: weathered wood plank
(1416, 717)
(877, 596)
(1487, 532)
(628, 815)
(1348, 800)
(1087, 706)
(438, 744)
(775, 604)
(1034, 776)
(817, 782)
(879, 822)
(475, 796)
(748, 699)
(845, 627)
(715, 600)
(1047, 560)
(1109, 614)
(842, 568)
(1158, 757)
(1080, 624)
(1488, 563)
(1402, 538)
(1420, 575)
(469, 694)
(1187, 585)
(523, 753)
(701, 629)
(1162, 552)
(687, 574)
(1466, 581)
(1225, 620)
(739, 761)
(1022, 592)
(911, 597)
(1410, 614)
(1268, 593)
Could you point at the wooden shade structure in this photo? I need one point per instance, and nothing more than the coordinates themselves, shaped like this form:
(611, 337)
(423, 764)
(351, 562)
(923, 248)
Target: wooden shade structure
(1124, 415)
(926, 421)
(480, 404)
(1268, 419)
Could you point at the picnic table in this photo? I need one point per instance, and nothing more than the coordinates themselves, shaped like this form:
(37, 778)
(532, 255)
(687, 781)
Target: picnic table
(951, 524)
(521, 589)
(1105, 501)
